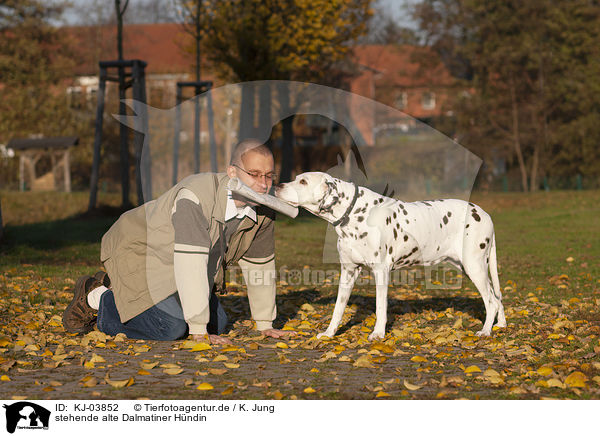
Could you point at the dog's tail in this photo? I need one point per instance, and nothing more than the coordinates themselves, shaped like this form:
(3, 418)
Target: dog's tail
(494, 269)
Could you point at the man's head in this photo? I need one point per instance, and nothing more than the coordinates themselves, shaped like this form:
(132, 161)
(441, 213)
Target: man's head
(252, 162)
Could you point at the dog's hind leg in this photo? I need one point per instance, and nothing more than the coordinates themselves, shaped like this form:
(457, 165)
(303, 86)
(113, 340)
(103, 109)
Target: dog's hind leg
(382, 277)
(348, 276)
(479, 276)
(496, 283)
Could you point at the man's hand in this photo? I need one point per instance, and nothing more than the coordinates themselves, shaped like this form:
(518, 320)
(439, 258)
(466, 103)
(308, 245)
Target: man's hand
(213, 339)
(277, 334)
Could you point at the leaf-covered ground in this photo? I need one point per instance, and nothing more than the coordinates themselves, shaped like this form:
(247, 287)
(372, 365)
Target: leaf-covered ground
(548, 246)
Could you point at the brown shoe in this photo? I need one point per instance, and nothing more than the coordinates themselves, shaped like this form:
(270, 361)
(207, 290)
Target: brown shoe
(102, 277)
(79, 317)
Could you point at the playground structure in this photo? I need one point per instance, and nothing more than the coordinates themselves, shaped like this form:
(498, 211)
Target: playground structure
(31, 150)
(135, 79)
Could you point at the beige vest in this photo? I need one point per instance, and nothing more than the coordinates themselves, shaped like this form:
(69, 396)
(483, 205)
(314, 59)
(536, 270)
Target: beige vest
(137, 251)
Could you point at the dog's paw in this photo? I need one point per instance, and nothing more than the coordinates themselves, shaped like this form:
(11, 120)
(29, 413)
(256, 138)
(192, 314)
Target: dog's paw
(501, 324)
(481, 333)
(325, 334)
(376, 335)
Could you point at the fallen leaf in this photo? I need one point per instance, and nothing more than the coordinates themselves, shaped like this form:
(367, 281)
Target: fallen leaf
(205, 387)
(411, 387)
(381, 394)
(173, 371)
(215, 371)
(472, 369)
(576, 380)
(309, 390)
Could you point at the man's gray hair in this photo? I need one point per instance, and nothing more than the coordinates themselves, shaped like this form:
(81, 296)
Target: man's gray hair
(245, 146)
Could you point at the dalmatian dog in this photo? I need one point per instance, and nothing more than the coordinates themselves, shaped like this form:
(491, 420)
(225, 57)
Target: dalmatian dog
(385, 234)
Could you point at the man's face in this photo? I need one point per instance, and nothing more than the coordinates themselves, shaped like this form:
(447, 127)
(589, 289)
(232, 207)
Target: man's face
(257, 171)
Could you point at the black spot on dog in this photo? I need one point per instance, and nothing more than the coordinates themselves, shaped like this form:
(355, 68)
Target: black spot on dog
(401, 206)
(360, 193)
(395, 234)
(467, 226)
(438, 249)
(476, 217)
(381, 200)
(414, 250)
(407, 222)
(405, 212)
(482, 245)
(445, 219)
(395, 215)
(405, 238)
(391, 250)
(487, 239)
(449, 214)
(374, 202)
(360, 219)
(440, 225)
(397, 225)
(471, 204)
(362, 235)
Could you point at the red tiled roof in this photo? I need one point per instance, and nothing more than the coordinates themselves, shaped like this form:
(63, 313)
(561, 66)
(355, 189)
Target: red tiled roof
(163, 46)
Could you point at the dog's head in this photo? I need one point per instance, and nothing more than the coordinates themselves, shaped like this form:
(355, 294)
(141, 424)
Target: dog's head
(315, 191)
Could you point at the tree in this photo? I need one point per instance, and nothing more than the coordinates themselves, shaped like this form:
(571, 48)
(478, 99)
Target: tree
(35, 59)
(280, 40)
(521, 58)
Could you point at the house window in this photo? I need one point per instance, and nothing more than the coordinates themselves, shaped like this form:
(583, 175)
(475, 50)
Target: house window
(428, 100)
(402, 100)
(75, 97)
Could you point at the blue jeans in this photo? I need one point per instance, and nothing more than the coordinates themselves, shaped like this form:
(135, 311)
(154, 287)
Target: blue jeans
(162, 322)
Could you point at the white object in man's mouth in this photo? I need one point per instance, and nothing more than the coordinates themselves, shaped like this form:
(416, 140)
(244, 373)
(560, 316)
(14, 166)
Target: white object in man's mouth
(239, 187)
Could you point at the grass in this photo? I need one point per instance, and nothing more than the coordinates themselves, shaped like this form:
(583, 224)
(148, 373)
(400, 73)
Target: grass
(548, 245)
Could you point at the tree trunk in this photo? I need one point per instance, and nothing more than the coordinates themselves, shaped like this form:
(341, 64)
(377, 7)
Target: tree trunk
(516, 135)
(246, 129)
(287, 136)
(264, 114)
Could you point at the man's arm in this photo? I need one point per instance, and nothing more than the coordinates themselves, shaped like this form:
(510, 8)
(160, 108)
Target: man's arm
(190, 259)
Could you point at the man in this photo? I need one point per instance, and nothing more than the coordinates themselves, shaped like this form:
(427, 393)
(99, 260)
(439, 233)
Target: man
(164, 259)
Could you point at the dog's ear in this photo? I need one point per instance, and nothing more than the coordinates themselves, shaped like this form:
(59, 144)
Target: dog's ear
(331, 196)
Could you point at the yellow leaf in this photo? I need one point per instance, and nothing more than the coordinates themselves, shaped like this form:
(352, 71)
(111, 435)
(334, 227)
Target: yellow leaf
(491, 373)
(173, 371)
(228, 391)
(119, 383)
(205, 387)
(89, 364)
(48, 389)
(309, 390)
(148, 365)
(229, 348)
(411, 387)
(555, 383)
(544, 371)
(576, 380)
(307, 307)
(382, 394)
(596, 379)
(314, 370)
(418, 359)
(215, 371)
(471, 369)
(97, 359)
(5, 378)
(363, 362)
(277, 395)
(282, 345)
(220, 358)
(231, 365)
(143, 372)
(201, 346)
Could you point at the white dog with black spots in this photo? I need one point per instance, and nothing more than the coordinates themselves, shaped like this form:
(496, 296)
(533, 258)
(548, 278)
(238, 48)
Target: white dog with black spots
(386, 234)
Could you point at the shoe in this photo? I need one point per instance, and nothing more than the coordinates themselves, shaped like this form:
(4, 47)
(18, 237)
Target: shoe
(102, 277)
(79, 317)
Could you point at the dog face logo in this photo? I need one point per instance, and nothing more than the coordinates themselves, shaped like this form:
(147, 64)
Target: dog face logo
(24, 414)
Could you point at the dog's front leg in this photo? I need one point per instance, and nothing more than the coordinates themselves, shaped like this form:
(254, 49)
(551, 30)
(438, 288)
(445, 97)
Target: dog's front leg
(348, 276)
(382, 277)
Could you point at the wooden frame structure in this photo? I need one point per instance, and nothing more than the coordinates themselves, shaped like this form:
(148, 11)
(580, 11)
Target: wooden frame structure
(31, 150)
(135, 79)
